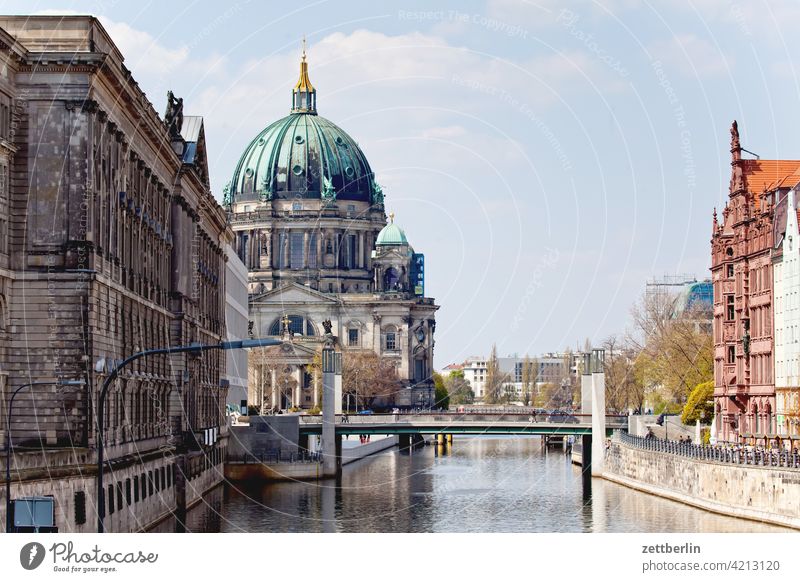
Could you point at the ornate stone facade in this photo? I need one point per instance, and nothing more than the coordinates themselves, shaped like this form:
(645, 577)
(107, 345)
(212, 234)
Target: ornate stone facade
(742, 276)
(309, 224)
(110, 243)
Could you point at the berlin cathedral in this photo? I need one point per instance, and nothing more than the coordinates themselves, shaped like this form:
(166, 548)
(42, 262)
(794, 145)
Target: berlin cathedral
(311, 228)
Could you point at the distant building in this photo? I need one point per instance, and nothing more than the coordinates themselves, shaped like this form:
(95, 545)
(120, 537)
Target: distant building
(550, 368)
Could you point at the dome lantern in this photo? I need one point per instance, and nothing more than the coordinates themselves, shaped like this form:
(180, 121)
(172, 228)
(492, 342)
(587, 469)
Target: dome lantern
(304, 96)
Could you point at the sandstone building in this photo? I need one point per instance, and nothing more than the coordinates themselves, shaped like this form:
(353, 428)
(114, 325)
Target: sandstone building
(110, 243)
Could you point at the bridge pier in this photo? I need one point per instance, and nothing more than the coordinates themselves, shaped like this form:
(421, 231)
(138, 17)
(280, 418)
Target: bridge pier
(404, 441)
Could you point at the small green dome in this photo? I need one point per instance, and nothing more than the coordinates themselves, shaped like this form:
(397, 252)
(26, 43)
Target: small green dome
(391, 234)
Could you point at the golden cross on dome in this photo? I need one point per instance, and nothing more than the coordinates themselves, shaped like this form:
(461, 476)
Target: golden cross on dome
(391, 217)
(304, 47)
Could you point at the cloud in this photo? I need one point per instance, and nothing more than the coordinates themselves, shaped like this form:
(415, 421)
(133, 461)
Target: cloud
(143, 53)
(692, 56)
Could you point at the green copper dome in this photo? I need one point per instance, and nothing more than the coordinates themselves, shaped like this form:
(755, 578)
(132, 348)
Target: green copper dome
(391, 234)
(303, 155)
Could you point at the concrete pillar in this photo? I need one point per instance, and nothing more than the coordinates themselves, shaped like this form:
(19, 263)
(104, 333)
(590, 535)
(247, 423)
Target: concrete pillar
(697, 434)
(328, 425)
(316, 390)
(450, 439)
(337, 393)
(598, 423)
(586, 393)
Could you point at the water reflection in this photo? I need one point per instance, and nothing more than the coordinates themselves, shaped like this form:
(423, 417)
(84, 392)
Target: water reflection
(479, 484)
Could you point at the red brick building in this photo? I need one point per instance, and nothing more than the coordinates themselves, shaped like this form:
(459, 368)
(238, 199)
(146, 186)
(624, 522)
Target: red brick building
(741, 268)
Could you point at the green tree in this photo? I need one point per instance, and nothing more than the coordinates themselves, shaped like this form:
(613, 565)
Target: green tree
(458, 388)
(441, 396)
(700, 404)
(492, 391)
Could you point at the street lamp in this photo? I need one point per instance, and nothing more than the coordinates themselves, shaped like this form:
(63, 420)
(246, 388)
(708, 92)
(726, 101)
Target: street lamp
(193, 349)
(8, 435)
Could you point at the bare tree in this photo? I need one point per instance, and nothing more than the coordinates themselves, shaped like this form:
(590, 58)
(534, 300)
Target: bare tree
(675, 349)
(369, 378)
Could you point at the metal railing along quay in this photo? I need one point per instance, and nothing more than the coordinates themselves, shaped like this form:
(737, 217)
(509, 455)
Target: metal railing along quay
(734, 454)
(275, 456)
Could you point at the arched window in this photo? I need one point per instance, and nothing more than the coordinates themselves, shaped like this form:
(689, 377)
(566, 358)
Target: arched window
(390, 342)
(298, 324)
(757, 424)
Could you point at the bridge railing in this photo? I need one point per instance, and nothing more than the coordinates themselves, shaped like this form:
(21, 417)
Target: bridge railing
(612, 421)
(734, 454)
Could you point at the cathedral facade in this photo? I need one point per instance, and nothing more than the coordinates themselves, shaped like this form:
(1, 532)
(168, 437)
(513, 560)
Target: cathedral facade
(310, 224)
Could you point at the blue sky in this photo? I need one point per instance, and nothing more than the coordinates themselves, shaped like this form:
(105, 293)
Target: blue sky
(547, 157)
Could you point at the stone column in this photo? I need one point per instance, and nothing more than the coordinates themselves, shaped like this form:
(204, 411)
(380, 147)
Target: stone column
(316, 390)
(306, 249)
(298, 390)
(274, 386)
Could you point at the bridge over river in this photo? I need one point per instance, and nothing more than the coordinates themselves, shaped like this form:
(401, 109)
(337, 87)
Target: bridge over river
(461, 423)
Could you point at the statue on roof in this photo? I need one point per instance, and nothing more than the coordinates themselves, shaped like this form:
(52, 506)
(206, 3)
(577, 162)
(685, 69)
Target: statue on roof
(377, 194)
(226, 196)
(328, 191)
(173, 117)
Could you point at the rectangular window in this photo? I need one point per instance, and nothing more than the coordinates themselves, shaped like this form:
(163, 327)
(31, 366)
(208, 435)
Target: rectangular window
(119, 495)
(282, 242)
(150, 482)
(128, 491)
(391, 341)
(731, 355)
(110, 499)
(296, 250)
(143, 483)
(730, 310)
(80, 508)
(136, 488)
(352, 337)
(312, 251)
(730, 271)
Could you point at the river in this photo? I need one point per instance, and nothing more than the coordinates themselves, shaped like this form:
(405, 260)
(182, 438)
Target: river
(479, 484)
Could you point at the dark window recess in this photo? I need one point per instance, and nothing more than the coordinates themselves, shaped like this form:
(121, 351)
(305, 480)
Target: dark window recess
(110, 499)
(150, 482)
(128, 491)
(731, 312)
(119, 495)
(135, 488)
(143, 483)
(731, 355)
(80, 507)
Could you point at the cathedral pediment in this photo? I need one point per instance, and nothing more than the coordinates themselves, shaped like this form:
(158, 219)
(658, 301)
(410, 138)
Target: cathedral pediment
(292, 294)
